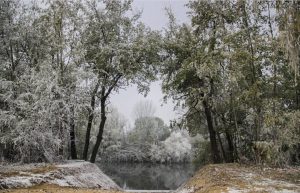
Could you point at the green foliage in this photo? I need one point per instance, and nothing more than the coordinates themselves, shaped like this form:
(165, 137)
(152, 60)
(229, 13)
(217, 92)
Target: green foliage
(229, 69)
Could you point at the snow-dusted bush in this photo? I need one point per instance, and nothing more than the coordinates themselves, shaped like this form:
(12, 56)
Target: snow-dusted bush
(285, 149)
(176, 148)
(157, 153)
(36, 131)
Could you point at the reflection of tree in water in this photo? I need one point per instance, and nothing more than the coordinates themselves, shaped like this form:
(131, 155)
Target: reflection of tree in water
(176, 175)
(148, 176)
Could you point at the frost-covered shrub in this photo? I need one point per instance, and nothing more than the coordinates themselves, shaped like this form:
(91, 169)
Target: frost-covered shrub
(31, 135)
(278, 142)
(157, 153)
(262, 151)
(124, 154)
(176, 148)
(286, 148)
(37, 121)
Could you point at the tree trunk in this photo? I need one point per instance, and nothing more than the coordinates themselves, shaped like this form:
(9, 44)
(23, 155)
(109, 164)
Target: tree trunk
(72, 136)
(235, 137)
(100, 132)
(229, 135)
(230, 158)
(89, 125)
(297, 95)
(212, 134)
(274, 62)
(220, 139)
(222, 148)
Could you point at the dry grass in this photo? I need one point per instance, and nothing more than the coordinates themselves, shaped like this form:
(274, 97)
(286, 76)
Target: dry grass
(44, 169)
(209, 179)
(50, 188)
(28, 172)
(234, 177)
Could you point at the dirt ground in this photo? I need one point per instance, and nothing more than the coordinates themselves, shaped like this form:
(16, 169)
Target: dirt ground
(49, 188)
(227, 178)
(53, 177)
(235, 178)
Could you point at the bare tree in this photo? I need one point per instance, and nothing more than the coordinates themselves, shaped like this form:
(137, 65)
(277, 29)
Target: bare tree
(144, 109)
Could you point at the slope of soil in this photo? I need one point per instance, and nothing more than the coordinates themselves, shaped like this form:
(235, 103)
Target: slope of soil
(235, 178)
(51, 188)
(78, 174)
(84, 177)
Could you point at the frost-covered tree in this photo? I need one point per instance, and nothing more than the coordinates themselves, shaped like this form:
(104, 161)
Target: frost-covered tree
(149, 130)
(231, 70)
(59, 60)
(235, 70)
(144, 109)
(120, 51)
(43, 103)
(114, 135)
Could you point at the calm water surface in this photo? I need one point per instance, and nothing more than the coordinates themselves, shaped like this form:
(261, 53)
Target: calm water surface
(147, 176)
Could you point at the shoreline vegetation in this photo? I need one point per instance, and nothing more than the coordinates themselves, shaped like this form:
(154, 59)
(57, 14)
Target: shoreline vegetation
(85, 177)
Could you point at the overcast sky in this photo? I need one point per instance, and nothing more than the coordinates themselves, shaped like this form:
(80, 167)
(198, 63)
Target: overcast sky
(155, 17)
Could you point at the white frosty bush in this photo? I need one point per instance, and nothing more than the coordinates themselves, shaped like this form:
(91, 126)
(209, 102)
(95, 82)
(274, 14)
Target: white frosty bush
(176, 148)
(36, 125)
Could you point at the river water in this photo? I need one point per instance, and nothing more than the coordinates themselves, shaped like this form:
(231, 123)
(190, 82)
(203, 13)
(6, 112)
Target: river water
(147, 176)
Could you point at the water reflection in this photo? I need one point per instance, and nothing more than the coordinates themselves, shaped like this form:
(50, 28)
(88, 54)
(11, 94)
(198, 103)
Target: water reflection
(147, 176)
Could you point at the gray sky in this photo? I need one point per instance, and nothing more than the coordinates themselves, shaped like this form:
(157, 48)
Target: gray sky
(155, 17)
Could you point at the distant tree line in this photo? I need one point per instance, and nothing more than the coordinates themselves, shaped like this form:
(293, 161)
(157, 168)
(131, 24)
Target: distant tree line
(149, 140)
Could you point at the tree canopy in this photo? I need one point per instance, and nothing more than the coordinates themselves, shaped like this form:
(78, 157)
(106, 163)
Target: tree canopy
(234, 70)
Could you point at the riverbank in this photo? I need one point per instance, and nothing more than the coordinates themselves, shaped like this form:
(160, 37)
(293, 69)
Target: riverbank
(76, 174)
(235, 178)
(84, 177)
